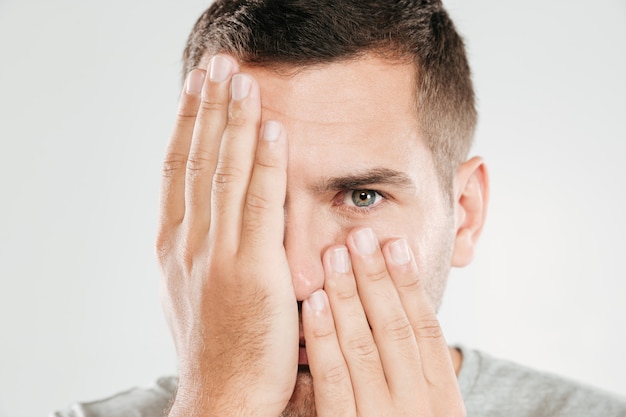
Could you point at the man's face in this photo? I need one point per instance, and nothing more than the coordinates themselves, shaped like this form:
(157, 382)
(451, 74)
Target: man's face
(356, 158)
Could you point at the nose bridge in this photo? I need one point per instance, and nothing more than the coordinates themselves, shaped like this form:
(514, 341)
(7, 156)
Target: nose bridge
(303, 248)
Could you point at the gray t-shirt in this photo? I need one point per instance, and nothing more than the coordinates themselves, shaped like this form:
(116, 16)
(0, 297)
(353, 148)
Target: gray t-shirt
(490, 387)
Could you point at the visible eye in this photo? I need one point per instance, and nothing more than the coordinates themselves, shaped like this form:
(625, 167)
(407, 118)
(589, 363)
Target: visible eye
(362, 198)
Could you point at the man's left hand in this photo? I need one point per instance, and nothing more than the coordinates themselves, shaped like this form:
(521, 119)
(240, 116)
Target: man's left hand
(373, 340)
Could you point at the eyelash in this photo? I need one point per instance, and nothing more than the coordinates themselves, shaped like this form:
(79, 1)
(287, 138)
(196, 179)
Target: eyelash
(346, 195)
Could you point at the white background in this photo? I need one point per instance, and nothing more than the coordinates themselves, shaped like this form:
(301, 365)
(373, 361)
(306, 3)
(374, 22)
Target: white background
(88, 91)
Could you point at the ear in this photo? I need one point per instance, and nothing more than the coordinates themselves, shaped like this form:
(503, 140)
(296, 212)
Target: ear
(471, 195)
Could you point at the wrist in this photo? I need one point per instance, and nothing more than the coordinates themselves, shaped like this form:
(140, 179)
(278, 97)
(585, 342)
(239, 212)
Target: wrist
(195, 403)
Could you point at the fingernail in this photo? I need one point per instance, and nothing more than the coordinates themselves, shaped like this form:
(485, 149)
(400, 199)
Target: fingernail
(220, 68)
(240, 86)
(317, 301)
(195, 79)
(365, 241)
(271, 130)
(339, 260)
(400, 252)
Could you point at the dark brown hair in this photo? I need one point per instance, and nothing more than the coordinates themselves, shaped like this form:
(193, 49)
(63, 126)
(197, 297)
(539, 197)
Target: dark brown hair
(289, 34)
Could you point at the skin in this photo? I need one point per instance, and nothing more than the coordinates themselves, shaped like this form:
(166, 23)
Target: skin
(258, 213)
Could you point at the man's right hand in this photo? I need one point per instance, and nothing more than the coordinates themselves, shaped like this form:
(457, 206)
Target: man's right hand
(227, 290)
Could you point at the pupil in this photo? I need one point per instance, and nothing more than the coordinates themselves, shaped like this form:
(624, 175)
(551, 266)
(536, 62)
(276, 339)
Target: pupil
(363, 198)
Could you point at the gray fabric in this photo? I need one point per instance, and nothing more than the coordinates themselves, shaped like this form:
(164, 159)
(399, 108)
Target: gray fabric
(153, 401)
(494, 387)
(490, 387)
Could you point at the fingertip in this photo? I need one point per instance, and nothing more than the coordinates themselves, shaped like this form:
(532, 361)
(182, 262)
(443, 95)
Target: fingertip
(363, 241)
(195, 81)
(273, 145)
(399, 252)
(272, 130)
(338, 259)
(241, 86)
(317, 302)
(207, 61)
(220, 68)
(245, 99)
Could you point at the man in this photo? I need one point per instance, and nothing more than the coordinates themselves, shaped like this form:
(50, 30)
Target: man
(316, 191)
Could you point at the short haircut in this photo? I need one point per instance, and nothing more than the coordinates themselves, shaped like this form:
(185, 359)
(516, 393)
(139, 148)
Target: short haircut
(291, 34)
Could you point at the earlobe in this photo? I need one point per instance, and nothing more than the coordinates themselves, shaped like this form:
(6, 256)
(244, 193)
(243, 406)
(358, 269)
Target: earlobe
(471, 195)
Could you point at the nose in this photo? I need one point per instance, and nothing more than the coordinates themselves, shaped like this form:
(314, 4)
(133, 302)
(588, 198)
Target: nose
(303, 246)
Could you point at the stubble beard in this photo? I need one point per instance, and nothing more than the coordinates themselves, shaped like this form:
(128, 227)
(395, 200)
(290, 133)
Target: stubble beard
(302, 402)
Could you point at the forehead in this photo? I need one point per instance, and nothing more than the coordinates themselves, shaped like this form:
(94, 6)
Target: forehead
(347, 116)
(340, 92)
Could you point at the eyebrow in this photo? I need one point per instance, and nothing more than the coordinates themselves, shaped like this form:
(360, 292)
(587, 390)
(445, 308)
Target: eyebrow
(384, 176)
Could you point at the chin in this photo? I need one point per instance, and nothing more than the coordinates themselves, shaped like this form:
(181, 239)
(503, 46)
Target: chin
(302, 402)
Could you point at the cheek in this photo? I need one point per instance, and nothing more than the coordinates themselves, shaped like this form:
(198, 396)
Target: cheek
(430, 234)
(434, 256)
(436, 241)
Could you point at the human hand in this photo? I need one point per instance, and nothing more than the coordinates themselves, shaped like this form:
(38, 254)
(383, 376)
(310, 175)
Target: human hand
(374, 343)
(227, 290)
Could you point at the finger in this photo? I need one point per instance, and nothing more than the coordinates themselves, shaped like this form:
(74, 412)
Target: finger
(355, 337)
(205, 144)
(174, 165)
(235, 160)
(390, 324)
(263, 214)
(434, 353)
(331, 379)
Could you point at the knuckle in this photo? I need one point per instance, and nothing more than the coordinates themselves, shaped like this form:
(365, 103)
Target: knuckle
(225, 175)
(376, 275)
(188, 251)
(187, 111)
(213, 106)
(174, 163)
(427, 328)
(334, 375)
(257, 203)
(162, 246)
(237, 116)
(199, 161)
(398, 329)
(185, 115)
(323, 332)
(345, 293)
(173, 257)
(411, 284)
(363, 347)
(270, 165)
